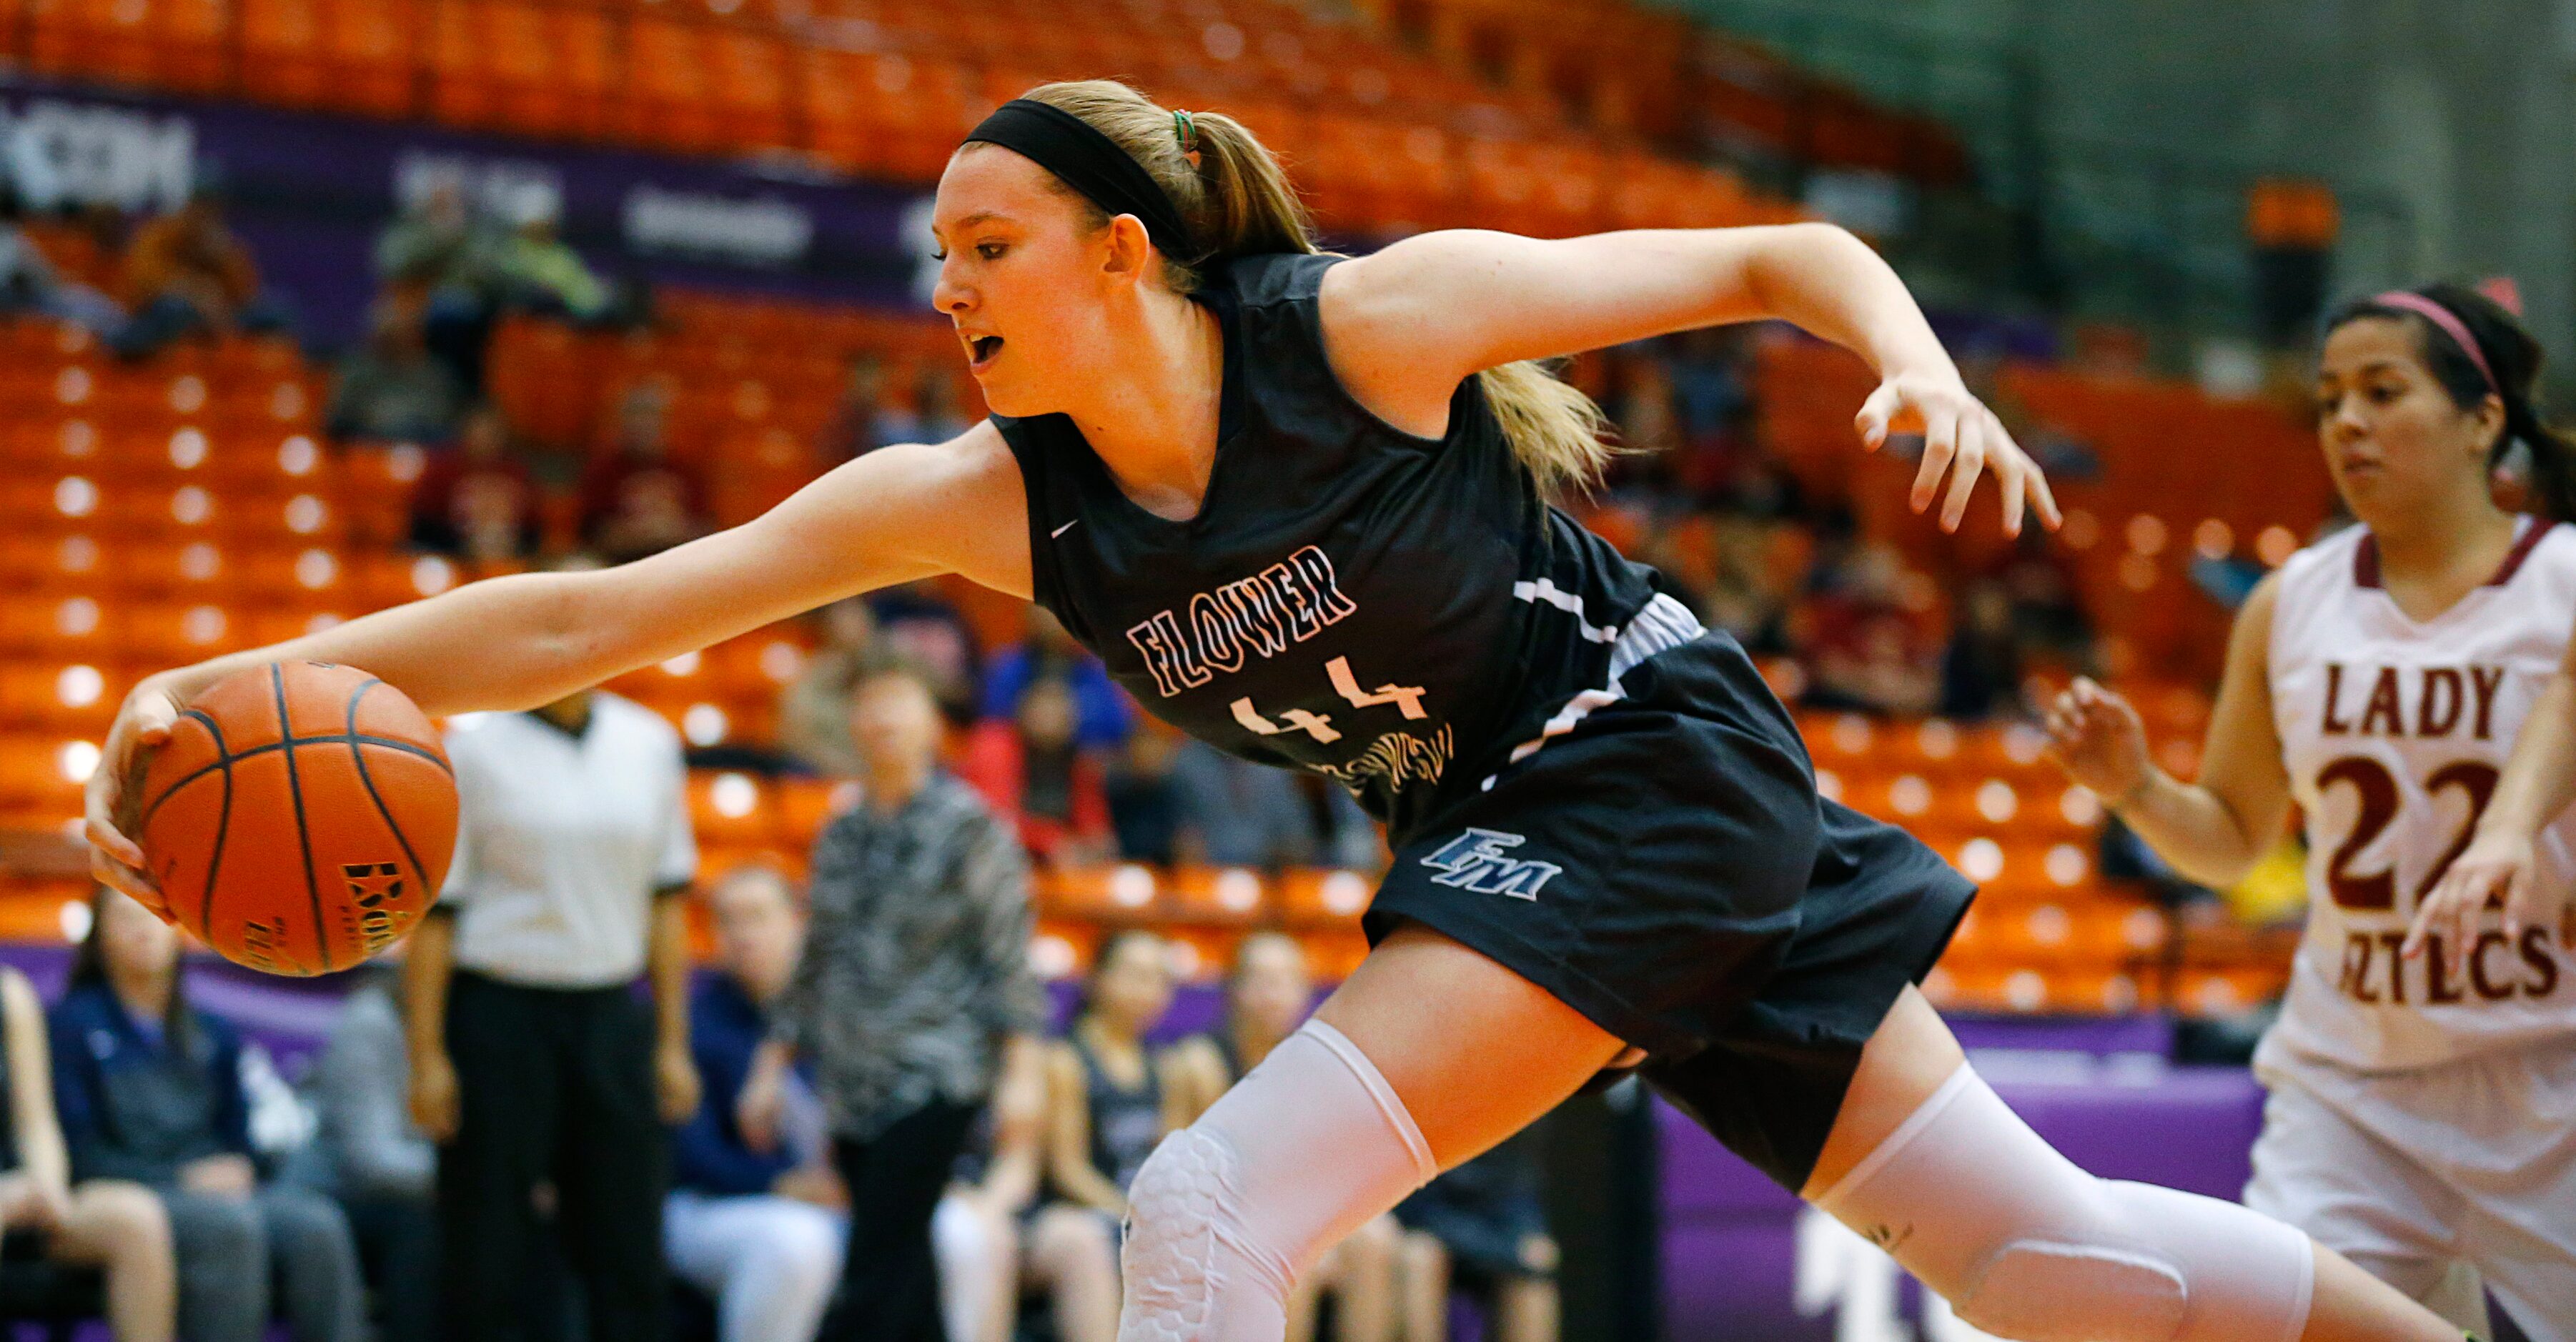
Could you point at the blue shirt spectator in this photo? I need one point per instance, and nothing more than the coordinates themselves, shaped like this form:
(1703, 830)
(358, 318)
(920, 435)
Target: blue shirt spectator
(710, 1156)
(150, 1089)
(760, 1231)
(141, 1098)
(1103, 717)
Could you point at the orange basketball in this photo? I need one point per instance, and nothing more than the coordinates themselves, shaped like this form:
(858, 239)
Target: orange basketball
(300, 817)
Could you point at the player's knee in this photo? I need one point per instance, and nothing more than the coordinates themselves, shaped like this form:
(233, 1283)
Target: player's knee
(1177, 1209)
(2030, 1248)
(2057, 1290)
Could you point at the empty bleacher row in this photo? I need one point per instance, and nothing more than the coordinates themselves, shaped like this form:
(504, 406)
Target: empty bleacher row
(1381, 137)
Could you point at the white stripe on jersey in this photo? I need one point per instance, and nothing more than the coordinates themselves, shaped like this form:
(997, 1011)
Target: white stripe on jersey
(2393, 732)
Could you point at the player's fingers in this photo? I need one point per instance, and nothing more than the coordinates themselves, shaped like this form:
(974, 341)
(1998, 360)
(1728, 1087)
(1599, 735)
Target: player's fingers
(104, 836)
(2519, 910)
(2013, 472)
(2044, 497)
(129, 881)
(1940, 443)
(2422, 925)
(1876, 414)
(1965, 467)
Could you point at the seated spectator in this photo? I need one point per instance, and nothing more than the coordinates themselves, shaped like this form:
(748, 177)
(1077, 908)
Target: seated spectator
(1038, 778)
(31, 282)
(1480, 1227)
(1104, 715)
(990, 1249)
(186, 273)
(921, 626)
(932, 417)
(375, 1161)
(2047, 614)
(391, 390)
(636, 500)
(537, 272)
(1268, 994)
(150, 1089)
(1865, 651)
(760, 1230)
(814, 709)
(1144, 797)
(859, 422)
(442, 250)
(1108, 1104)
(1235, 813)
(1981, 672)
(112, 1224)
(437, 242)
(478, 501)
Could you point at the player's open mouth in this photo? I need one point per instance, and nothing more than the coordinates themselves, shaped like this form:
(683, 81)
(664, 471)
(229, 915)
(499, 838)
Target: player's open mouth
(981, 349)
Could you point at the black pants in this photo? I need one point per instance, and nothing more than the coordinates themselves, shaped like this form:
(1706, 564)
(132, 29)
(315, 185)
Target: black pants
(889, 1283)
(398, 1251)
(557, 1086)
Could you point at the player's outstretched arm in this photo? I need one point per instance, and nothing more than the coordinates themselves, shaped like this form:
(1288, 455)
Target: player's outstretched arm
(2217, 827)
(892, 516)
(1405, 324)
(2502, 859)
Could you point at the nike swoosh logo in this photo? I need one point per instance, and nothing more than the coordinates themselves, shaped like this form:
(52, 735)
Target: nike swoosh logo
(1063, 529)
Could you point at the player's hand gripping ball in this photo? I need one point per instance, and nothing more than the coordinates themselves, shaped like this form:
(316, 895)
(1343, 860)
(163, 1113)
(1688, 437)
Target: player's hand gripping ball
(300, 817)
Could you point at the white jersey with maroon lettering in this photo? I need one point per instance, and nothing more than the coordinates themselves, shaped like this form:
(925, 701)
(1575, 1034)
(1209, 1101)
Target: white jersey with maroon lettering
(2394, 731)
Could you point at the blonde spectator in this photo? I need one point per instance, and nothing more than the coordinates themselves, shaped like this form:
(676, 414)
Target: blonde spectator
(110, 1224)
(989, 1251)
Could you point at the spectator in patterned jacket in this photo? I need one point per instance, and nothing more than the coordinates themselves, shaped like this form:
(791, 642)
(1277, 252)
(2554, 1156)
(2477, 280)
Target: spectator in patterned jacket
(914, 973)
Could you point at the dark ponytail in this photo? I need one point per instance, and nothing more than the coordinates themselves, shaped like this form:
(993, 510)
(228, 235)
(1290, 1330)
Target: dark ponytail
(2546, 455)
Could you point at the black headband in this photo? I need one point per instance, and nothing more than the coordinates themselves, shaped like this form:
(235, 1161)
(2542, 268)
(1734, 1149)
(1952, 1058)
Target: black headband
(1092, 164)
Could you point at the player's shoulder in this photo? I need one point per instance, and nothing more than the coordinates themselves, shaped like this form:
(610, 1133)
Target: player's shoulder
(2552, 550)
(2339, 553)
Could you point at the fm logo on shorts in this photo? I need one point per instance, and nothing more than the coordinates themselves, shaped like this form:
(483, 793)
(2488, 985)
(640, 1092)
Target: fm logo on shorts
(1476, 861)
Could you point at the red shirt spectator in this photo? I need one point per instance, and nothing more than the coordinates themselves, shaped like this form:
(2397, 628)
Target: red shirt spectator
(477, 501)
(1032, 773)
(636, 500)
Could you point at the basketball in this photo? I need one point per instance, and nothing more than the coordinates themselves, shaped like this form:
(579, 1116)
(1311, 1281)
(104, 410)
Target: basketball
(300, 817)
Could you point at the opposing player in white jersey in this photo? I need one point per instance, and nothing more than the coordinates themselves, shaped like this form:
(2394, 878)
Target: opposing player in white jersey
(2422, 1112)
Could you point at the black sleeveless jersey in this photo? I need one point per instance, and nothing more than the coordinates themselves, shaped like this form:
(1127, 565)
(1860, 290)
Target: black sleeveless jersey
(1394, 611)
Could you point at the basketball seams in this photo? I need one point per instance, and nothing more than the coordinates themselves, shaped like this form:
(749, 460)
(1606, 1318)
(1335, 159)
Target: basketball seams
(222, 761)
(295, 795)
(353, 739)
(223, 819)
(358, 757)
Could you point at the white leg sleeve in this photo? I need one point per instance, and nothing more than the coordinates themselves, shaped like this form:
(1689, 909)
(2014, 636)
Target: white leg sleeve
(2028, 1247)
(1228, 1211)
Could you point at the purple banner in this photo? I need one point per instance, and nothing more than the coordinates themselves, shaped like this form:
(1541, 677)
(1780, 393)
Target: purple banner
(311, 192)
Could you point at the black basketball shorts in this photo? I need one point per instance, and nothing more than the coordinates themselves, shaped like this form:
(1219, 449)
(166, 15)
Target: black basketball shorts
(1666, 868)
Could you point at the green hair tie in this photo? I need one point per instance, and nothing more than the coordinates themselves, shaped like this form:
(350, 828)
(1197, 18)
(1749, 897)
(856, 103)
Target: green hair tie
(1186, 131)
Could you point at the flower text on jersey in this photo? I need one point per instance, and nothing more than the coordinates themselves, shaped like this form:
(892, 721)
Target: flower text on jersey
(1255, 616)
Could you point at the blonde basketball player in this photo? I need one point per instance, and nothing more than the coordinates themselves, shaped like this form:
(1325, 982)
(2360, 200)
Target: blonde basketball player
(2422, 1112)
(1295, 503)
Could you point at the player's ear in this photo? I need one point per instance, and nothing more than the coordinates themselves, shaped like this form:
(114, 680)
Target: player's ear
(1131, 250)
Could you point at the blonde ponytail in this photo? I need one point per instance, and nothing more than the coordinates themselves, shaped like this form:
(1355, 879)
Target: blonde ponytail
(1239, 203)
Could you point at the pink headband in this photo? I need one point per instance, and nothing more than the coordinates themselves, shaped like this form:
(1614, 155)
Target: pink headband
(2450, 325)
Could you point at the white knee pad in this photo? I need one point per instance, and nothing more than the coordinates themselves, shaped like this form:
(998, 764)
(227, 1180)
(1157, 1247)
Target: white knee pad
(1228, 1211)
(2028, 1247)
